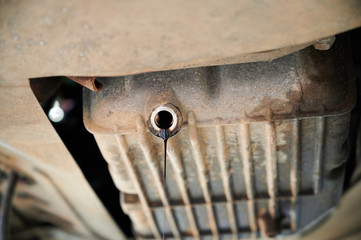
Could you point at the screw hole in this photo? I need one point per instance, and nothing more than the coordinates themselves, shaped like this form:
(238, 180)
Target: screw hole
(163, 119)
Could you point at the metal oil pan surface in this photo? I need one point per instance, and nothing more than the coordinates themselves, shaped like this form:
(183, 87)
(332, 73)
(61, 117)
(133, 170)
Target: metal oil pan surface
(257, 137)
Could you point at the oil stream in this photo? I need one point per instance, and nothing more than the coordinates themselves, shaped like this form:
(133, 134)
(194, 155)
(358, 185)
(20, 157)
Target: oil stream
(164, 121)
(165, 135)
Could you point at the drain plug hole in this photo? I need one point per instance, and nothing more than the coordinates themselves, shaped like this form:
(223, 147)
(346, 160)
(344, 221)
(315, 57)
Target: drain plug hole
(163, 119)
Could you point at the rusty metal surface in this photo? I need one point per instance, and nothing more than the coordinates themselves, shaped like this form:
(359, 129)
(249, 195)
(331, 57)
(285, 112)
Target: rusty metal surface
(305, 157)
(261, 143)
(88, 82)
(297, 85)
(111, 38)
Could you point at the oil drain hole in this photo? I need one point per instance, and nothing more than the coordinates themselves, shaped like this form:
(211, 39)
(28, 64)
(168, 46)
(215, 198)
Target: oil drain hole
(163, 119)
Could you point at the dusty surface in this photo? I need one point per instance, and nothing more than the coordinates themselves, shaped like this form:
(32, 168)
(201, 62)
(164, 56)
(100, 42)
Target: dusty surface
(111, 38)
(303, 84)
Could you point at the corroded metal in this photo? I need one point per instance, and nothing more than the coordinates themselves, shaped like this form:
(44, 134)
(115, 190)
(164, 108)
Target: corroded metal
(295, 86)
(176, 161)
(269, 227)
(153, 165)
(199, 197)
(137, 184)
(202, 170)
(88, 82)
(225, 169)
(128, 40)
(255, 152)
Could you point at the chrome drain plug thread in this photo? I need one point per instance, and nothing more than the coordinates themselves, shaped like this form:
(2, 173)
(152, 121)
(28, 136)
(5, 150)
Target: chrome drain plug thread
(165, 119)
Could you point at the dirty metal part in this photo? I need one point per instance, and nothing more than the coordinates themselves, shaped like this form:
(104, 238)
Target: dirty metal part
(64, 45)
(257, 151)
(324, 43)
(196, 179)
(202, 172)
(89, 82)
(167, 117)
(6, 205)
(269, 227)
(294, 86)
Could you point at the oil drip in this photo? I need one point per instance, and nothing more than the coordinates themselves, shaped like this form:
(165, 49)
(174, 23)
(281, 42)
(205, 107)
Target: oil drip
(165, 135)
(165, 122)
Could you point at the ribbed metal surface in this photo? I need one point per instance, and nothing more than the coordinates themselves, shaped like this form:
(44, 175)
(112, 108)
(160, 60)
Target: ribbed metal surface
(220, 178)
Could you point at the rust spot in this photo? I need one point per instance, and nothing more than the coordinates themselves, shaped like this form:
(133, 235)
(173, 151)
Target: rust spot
(89, 82)
(269, 227)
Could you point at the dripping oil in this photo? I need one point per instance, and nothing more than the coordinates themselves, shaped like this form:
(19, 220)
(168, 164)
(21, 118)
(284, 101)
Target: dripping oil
(165, 135)
(165, 119)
